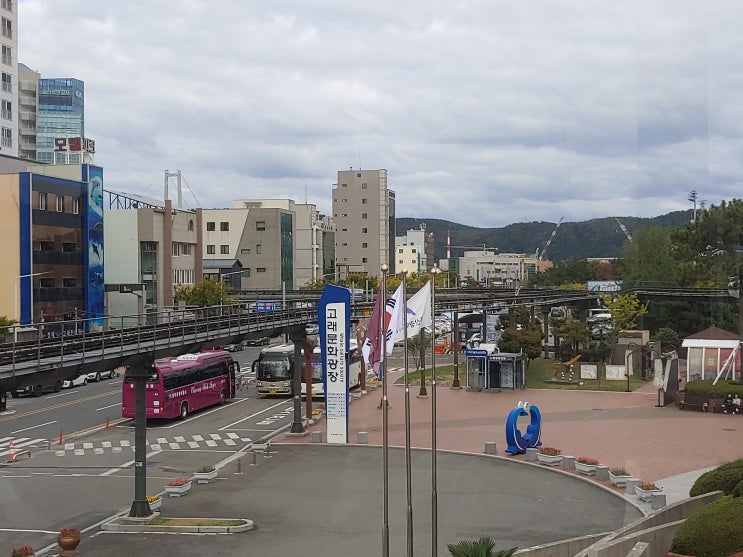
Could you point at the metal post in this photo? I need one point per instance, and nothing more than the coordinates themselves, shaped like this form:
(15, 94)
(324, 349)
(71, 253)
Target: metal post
(434, 489)
(297, 339)
(140, 506)
(408, 452)
(385, 427)
(422, 337)
(455, 383)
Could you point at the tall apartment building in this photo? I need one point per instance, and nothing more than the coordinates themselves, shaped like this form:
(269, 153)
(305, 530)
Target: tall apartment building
(9, 92)
(28, 102)
(364, 215)
(61, 114)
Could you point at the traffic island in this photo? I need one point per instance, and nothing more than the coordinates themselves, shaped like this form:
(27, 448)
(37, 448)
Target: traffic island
(157, 523)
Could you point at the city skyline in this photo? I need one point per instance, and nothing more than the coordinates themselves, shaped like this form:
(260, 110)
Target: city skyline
(483, 113)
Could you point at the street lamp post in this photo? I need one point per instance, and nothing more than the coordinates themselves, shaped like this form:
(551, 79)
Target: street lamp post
(626, 360)
(434, 490)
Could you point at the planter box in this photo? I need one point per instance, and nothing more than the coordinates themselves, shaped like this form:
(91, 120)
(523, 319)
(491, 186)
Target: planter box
(205, 477)
(549, 460)
(589, 469)
(156, 504)
(177, 490)
(618, 480)
(646, 494)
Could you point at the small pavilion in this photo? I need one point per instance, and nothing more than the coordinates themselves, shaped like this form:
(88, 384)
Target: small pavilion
(713, 353)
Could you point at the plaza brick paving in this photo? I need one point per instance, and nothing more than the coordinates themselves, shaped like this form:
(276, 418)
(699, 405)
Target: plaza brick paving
(617, 428)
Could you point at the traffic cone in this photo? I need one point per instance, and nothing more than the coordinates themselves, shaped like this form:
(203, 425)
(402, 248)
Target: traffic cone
(11, 454)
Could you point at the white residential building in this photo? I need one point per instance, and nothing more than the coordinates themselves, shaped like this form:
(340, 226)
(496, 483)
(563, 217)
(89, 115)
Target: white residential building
(9, 97)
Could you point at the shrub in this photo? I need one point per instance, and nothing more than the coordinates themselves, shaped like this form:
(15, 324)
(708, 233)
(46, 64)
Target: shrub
(648, 486)
(480, 548)
(738, 491)
(716, 530)
(205, 469)
(705, 389)
(619, 471)
(587, 460)
(552, 451)
(725, 478)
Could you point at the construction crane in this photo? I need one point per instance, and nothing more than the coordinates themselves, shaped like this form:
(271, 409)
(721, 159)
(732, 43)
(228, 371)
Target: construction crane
(624, 229)
(540, 253)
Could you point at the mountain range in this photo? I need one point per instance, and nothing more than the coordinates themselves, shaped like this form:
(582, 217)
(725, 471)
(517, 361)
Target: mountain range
(602, 237)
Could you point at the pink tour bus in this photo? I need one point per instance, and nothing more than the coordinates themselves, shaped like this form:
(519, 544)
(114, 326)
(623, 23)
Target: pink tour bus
(179, 386)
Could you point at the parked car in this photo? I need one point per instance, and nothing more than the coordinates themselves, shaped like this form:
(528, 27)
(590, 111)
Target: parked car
(233, 347)
(261, 341)
(76, 382)
(97, 375)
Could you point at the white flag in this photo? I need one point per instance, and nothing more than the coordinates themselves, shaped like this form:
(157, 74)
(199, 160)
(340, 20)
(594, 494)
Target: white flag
(419, 313)
(394, 317)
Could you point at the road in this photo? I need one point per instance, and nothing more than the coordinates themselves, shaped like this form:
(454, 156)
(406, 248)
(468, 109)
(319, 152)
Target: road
(98, 464)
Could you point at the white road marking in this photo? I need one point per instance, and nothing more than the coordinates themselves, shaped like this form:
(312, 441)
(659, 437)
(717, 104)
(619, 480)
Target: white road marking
(33, 427)
(109, 406)
(229, 426)
(125, 465)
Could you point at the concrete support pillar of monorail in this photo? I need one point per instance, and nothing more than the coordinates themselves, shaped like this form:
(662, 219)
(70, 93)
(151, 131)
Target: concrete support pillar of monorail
(298, 338)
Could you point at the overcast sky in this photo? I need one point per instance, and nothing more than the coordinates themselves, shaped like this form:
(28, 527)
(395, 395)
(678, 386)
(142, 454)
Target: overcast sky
(484, 112)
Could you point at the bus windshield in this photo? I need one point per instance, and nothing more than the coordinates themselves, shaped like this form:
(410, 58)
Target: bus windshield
(273, 369)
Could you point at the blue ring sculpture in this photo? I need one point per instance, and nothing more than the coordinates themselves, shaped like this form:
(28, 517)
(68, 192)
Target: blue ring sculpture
(518, 443)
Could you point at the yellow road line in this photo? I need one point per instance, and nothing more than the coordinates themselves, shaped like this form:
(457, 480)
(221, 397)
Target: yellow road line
(56, 406)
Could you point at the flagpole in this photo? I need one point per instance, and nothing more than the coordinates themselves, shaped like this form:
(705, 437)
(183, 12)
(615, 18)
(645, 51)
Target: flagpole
(408, 455)
(385, 428)
(434, 491)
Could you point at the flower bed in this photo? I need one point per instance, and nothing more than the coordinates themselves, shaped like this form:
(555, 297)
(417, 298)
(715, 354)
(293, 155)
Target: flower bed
(586, 465)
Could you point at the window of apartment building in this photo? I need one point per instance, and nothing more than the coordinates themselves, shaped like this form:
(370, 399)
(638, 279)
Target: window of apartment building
(224, 249)
(344, 214)
(246, 272)
(7, 5)
(364, 245)
(258, 249)
(75, 206)
(210, 226)
(46, 246)
(399, 251)
(211, 249)
(7, 82)
(7, 55)
(344, 229)
(190, 225)
(68, 247)
(46, 283)
(364, 185)
(358, 174)
(364, 215)
(344, 200)
(260, 269)
(344, 244)
(363, 200)
(224, 226)
(60, 204)
(364, 230)
(7, 137)
(7, 28)
(344, 185)
(245, 251)
(260, 225)
(69, 282)
(413, 250)
(363, 260)
(42, 201)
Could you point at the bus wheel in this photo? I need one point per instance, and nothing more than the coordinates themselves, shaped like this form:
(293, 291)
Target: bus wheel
(58, 386)
(222, 396)
(37, 390)
(14, 393)
(184, 410)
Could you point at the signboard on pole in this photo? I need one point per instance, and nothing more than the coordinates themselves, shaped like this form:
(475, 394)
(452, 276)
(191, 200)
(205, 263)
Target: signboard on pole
(334, 318)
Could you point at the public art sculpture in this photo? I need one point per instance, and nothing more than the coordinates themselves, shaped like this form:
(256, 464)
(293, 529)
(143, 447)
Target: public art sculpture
(518, 443)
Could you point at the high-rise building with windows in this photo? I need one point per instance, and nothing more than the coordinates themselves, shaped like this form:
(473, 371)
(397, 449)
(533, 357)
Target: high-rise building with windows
(61, 114)
(364, 215)
(9, 71)
(28, 104)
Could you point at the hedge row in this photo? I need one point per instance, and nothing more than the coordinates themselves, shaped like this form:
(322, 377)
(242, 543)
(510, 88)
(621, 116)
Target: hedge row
(705, 388)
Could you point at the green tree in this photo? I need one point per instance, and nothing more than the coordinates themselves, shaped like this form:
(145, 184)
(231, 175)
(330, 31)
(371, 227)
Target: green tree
(649, 258)
(206, 293)
(5, 324)
(414, 347)
(574, 332)
(667, 337)
(625, 310)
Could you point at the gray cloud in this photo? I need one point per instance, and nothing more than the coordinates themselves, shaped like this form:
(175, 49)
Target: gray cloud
(483, 112)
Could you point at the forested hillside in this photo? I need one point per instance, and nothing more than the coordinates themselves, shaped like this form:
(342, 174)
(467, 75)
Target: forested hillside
(573, 240)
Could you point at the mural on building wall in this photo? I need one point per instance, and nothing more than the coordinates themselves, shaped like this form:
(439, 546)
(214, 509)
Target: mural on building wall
(94, 290)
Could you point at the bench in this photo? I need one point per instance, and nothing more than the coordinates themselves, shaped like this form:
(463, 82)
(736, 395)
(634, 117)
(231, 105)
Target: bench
(693, 402)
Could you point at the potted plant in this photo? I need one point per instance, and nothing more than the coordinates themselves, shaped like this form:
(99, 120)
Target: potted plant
(206, 474)
(618, 476)
(178, 487)
(24, 551)
(68, 539)
(645, 490)
(154, 501)
(549, 456)
(586, 465)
